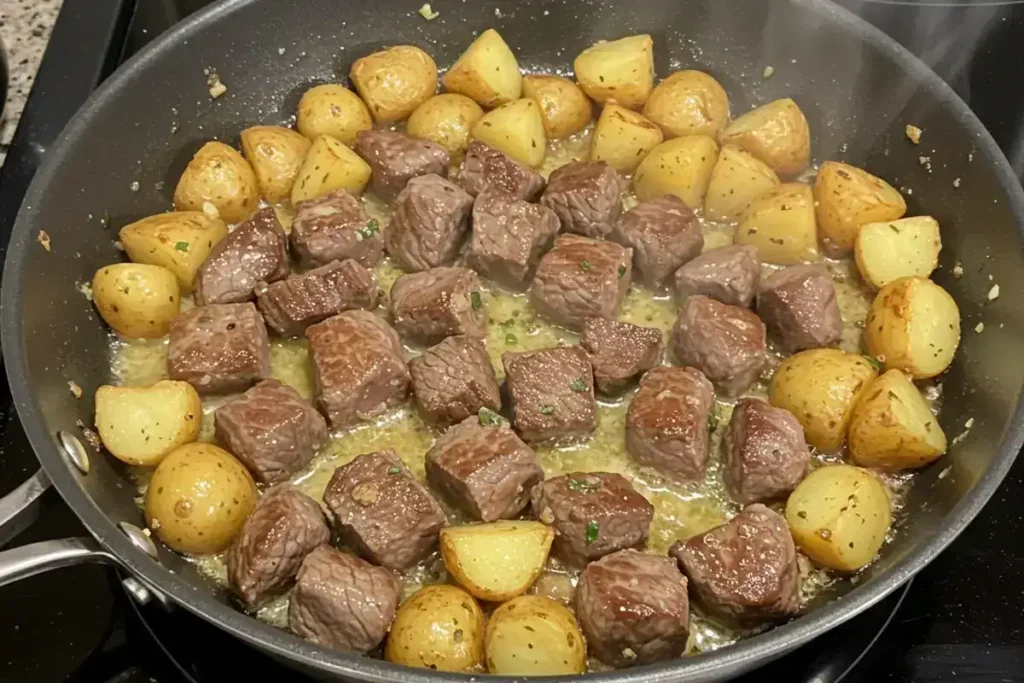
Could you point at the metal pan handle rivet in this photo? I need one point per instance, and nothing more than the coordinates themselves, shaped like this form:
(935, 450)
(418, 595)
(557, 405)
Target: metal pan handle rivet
(74, 451)
(139, 539)
(139, 593)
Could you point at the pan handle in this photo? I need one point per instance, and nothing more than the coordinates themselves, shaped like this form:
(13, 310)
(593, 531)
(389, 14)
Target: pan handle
(20, 507)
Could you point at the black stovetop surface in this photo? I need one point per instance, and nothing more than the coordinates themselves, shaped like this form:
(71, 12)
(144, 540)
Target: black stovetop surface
(961, 619)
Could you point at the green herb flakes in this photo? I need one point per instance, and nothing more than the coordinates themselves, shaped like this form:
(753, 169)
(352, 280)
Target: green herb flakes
(181, 246)
(578, 384)
(592, 529)
(475, 300)
(547, 410)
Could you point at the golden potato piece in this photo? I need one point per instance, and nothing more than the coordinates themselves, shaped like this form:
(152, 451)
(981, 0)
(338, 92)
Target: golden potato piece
(275, 154)
(332, 109)
(220, 176)
(440, 627)
(487, 72)
(178, 240)
(329, 166)
(689, 103)
(623, 138)
(776, 133)
(736, 181)
(393, 82)
(137, 300)
(140, 426)
(890, 250)
(446, 119)
(564, 107)
(517, 129)
(782, 226)
(534, 636)
(498, 560)
(620, 70)
(848, 197)
(681, 166)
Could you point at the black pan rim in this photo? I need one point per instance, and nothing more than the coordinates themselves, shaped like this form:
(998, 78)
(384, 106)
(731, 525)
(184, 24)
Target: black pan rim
(727, 661)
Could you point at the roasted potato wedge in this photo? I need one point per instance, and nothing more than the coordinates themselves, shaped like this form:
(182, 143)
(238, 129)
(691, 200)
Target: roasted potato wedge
(393, 82)
(446, 119)
(137, 300)
(332, 109)
(890, 250)
(848, 197)
(736, 181)
(517, 129)
(564, 107)
(439, 627)
(623, 138)
(487, 72)
(220, 176)
(620, 70)
(329, 166)
(681, 166)
(275, 154)
(689, 103)
(781, 225)
(534, 636)
(498, 560)
(178, 240)
(776, 133)
(140, 426)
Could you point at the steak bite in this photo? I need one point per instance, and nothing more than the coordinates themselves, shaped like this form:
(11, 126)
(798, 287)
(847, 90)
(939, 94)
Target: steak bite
(728, 274)
(663, 233)
(587, 196)
(256, 251)
(437, 303)
(744, 571)
(667, 422)
(454, 380)
(428, 223)
(509, 235)
(798, 304)
(272, 430)
(485, 167)
(552, 392)
(285, 526)
(594, 514)
(336, 227)
(581, 278)
(726, 343)
(620, 352)
(396, 158)
(219, 349)
(765, 451)
(633, 608)
(483, 468)
(382, 512)
(358, 367)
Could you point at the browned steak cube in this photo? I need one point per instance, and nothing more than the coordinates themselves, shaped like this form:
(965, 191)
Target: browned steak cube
(726, 343)
(744, 571)
(620, 352)
(799, 306)
(219, 349)
(272, 430)
(765, 451)
(428, 224)
(483, 468)
(552, 392)
(396, 158)
(343, 602)
(485, 167)
(663, 233)
(728, 274)
(336, 227)
(509, 235)
(587, 196)
(667, 422)
(256, 251)
(358, 365)
(382, 512)
(594, 514)
(454, 380)
(581, 278)
(285, 526)
(290, 306)
(433, 304)
(633, 608)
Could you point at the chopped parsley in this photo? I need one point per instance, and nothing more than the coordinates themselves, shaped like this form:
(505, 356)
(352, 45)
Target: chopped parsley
(578, 384)
(488, 417)
(181, 246)
(592, 529)
(475, 300)
(874, 362)
(622, 271)
(511, 339)
(547, 410)
(579, 485)
(894, 228)
(585, 265)
(712, 421)
(371, 229)
(394, 470)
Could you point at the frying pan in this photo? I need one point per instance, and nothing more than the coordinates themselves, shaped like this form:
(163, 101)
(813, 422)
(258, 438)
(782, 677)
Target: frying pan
(858, 88)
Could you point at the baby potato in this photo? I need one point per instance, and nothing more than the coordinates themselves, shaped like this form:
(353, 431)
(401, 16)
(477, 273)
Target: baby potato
(517, 129)
(140, 426)
(440, 627)
(821, 387)
(890, 250)
(218, 174)
(275, 154)
(892, 426)
(329, 166)
(534, 636)
(447, 119)
(497, 560)
(776, 133)
(848, 197)
(198, 499)
(136, 299)
(332, 109)
(736, 181)
(620, 70)
(563, 106)
(913, 326)
(689, 103)
(486, 72)
(681, 166)
(623, 138)
(393, 82)
(839, 516)
(178, 240)
(781, 225)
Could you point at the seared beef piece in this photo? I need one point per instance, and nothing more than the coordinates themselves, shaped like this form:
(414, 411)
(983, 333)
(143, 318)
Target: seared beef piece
(726, 343)
(290, 306)
(382, 512)
(728, 274)
(620, 352)
(437, 303)
(587, 196)
(633, 608)
(509, 235)
(359, 367)
(744, 571)
(336, 227)
(219, 349)
(799, 306)
(285, 526)
(454, 380)
(482, 468)
(552, 392)
(667, 422)
(255, 251)
(428, 223)
(343, 602)
(765, 452)
(581, 278)
(594, 514)
(663, 233)
(485, 167)
(396, 158)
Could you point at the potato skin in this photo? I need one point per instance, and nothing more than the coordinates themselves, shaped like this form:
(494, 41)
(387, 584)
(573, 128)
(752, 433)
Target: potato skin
(565, 108)
(332, 109)
(140, 426)
(517, 129)
(689, 103)
(178, 240)
(499, 560)
(681, 166)
(781, 225)
(620, 70)
(275, 154)
(329, 166)
(890, 250)
(393, 82)
(623, 138)
(534, 636)
(136, 299)
(446, 119)
(776, 133)
(847, 197)
(218, 174)
(439, 627)
(487, 72)
(736, 181)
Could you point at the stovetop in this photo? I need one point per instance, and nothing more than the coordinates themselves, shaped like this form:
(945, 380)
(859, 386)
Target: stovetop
(961, 619)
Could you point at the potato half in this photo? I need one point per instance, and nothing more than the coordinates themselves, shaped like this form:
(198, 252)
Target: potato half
(517, 129)
(439, 627)
(534, 636)
(623, 138)
(776, 133)
(681, 166)
(847, 197)
(137, 300)
(620, 70)
(178, 240)
(736, 181)
(140, 426)
(393, 82)
(329, 166)
(332, 109)
(446, 119)
(564, 107)
(487, 72)
(890, 250)
(781, 225)
(689, 103)
(220, 176)
(498, 560)
(275, 154)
